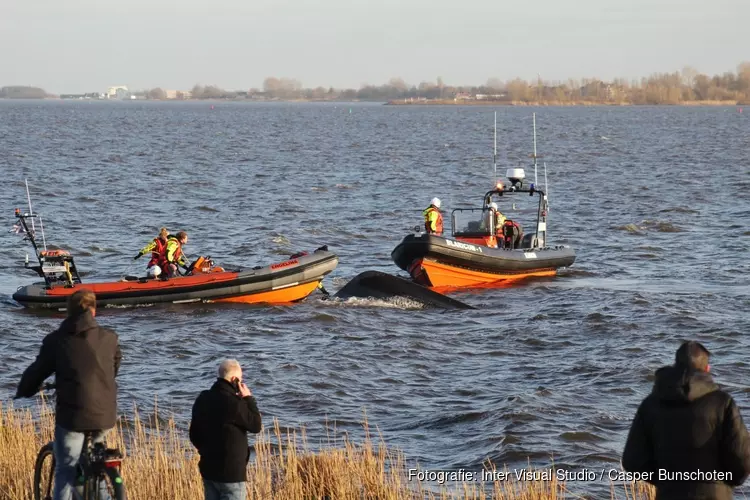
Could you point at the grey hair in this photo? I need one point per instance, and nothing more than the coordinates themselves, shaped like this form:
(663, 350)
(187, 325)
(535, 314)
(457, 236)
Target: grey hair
(228, 366)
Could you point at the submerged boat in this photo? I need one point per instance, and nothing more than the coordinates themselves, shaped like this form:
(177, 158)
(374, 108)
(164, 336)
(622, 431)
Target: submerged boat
(480, 252)
(279, 283)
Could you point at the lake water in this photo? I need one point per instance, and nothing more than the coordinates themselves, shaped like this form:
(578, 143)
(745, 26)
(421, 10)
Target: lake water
(653, 199)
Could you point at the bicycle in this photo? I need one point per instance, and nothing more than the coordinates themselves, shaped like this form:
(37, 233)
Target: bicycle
(97, 463)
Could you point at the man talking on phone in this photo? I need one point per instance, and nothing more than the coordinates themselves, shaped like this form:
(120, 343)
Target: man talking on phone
(222, 417)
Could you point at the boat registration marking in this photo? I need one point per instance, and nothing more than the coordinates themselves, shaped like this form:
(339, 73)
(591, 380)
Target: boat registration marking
(529, 255)
(284, 264)
(463, 246)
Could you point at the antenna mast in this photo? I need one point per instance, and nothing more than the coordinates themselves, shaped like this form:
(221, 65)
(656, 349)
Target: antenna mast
(31, 212)
(533, 116)
(494, 154)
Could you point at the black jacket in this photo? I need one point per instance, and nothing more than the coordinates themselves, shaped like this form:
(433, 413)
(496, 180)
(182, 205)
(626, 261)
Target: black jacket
(84, 358)
(218, 429)
(687, 424)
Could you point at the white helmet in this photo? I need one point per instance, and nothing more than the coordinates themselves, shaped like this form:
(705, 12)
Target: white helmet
(436, 202)
(153, 271)
(493, 205)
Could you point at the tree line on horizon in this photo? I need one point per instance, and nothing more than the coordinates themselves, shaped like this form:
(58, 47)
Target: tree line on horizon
(684, 86)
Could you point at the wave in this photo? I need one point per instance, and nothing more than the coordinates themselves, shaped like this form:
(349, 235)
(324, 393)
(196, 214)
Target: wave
(679, 210)
(204, 208)
(390, 303)
(650, 225)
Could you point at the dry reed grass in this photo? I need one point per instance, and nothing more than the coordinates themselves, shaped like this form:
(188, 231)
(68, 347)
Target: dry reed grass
(161, 464)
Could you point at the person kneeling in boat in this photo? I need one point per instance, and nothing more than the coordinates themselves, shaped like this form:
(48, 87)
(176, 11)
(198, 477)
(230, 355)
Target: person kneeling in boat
(158, 249)
(511, 234)
(433, 219)
(174, 256)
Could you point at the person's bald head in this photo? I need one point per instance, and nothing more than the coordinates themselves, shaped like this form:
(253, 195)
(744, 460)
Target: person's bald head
(230, 369)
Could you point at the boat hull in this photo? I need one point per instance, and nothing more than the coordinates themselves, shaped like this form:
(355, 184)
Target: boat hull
(446, 263)
(284, 282)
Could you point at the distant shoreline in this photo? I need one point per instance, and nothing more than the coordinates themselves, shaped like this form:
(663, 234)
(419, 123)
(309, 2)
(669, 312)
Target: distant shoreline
(451, 102)
(399, 102)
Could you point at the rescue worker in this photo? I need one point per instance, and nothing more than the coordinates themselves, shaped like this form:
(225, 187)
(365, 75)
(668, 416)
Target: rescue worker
(158, 249)
(512, 234)
(174, 256)
(433, 219)
(499, 220)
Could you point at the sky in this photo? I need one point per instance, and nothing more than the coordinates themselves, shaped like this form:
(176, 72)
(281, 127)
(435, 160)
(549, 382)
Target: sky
(77, 46)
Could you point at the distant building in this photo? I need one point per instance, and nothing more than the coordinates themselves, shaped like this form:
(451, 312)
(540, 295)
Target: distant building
(118, 92)
(598, 89)
(178, 94)
(462, 96)
(483, 97)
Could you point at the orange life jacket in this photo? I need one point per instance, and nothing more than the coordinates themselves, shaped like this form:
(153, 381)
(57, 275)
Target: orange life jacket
(159, 253)
(512, 234)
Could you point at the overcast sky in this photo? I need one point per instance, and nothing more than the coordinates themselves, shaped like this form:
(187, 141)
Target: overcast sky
(87, 45)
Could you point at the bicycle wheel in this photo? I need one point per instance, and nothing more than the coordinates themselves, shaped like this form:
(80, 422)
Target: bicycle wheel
(113, 484)
(43, 475)
(116, 487)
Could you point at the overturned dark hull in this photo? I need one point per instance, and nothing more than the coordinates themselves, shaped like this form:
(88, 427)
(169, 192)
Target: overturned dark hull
(441, 262)
(380, 285)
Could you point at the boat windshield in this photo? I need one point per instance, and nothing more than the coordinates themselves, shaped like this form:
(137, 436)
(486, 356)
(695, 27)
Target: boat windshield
(475, 222)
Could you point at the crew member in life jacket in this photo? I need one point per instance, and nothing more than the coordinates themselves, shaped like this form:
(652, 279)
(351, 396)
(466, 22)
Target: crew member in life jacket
(174, 256)
(158, 249)
(512, 234)
(499, 220)
(509, 233)
(433, 219)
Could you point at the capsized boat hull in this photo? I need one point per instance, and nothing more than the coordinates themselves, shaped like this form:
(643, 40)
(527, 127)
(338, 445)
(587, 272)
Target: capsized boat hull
(447, 263)
(375, 284)
(283, 282)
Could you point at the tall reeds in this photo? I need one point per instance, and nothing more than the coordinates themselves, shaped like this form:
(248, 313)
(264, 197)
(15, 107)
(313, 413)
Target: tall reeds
(160, 463)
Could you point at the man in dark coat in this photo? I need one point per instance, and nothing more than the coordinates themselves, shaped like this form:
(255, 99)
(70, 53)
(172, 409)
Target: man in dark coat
(688, 437)
(85, 359)
(222, 417)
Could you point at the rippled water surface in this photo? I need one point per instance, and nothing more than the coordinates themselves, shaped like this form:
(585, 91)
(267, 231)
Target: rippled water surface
(654, 200)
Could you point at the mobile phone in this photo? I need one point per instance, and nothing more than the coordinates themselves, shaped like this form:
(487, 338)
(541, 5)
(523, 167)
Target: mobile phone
(236, 385)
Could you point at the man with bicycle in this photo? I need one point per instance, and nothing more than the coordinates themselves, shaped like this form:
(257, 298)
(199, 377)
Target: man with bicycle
(85, 359)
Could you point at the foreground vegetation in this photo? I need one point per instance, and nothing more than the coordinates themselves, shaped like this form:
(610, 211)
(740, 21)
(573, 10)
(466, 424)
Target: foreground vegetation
(161, 464)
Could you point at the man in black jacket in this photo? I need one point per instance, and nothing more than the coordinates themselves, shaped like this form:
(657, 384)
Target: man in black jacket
(222, 417)
(688, 438)
(85, 359)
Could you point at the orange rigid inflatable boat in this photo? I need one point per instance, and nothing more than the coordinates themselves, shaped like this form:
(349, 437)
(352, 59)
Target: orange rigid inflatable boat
(279, 283)
(475, 256)
(485, 248)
